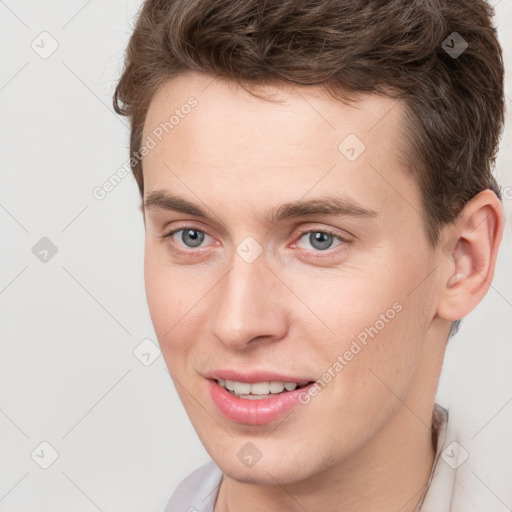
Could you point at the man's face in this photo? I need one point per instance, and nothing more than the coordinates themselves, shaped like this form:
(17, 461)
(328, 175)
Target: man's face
(238, 290)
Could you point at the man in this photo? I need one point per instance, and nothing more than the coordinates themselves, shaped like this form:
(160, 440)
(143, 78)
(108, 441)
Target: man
(331, 163)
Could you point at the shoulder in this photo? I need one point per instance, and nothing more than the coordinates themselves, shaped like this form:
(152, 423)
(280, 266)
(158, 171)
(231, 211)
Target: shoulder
(197, 492)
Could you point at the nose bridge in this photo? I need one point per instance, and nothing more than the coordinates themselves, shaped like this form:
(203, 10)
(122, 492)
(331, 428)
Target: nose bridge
(248, 304)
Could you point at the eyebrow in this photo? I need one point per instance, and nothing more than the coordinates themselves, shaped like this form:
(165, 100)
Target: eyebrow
(325, 205)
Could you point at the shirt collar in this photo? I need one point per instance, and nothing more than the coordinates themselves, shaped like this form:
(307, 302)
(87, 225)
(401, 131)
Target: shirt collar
(439, 488)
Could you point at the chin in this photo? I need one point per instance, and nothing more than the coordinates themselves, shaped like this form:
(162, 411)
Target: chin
(261, 475)
(267, 471)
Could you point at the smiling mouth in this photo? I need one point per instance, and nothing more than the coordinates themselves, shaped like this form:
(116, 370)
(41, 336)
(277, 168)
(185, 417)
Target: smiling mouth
(259, 390)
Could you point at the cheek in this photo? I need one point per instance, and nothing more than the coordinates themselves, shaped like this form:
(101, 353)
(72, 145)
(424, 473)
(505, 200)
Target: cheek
(164, 294)
(177, 299)
(157, 290)
(369, 317)
(339, 304)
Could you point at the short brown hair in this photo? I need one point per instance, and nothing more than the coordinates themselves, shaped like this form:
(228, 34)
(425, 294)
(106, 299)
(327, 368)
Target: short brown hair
(454, 104)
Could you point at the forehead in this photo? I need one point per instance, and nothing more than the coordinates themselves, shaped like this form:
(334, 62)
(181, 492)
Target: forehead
(301, 142)
(299, 110)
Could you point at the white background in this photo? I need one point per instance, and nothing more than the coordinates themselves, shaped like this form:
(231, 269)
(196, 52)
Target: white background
(69, 326)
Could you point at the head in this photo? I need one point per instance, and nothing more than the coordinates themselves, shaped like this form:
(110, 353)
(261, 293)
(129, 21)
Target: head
(280, 122)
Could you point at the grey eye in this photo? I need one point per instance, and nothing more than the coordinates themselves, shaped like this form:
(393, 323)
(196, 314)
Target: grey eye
(320, 240)
(192, 237)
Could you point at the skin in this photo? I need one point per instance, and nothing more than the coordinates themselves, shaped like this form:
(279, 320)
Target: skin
(238, 156)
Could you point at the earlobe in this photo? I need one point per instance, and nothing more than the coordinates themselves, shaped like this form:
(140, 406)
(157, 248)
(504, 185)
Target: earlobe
(469, 268)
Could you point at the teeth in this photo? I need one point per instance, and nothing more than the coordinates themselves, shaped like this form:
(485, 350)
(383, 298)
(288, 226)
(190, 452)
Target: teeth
(260, 388)
(242, 388)
(257, 389)
(276, 387)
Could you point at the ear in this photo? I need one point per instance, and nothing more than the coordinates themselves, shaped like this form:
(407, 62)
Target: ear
(469, 256)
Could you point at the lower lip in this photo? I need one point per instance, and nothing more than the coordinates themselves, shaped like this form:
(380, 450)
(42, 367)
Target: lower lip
(253, 412)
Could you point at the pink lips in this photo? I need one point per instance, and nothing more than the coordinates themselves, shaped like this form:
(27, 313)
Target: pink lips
(254, 412)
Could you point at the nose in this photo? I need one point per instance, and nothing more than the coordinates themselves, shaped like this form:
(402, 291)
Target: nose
(252, 305)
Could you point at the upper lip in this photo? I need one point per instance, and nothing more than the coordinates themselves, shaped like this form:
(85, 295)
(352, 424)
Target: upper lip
(254, 376)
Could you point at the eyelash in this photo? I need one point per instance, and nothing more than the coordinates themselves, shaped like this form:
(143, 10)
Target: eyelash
(319, 254)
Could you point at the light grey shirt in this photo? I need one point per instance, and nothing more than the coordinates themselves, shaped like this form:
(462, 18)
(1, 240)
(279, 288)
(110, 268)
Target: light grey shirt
(198, 491)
